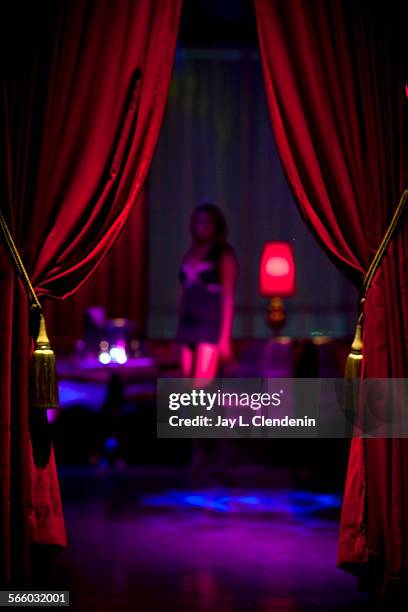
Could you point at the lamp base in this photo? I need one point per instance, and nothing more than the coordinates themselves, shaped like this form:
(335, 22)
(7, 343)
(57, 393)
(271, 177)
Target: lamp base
(276, 313)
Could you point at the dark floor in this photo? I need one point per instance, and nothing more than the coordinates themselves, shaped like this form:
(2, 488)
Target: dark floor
(145, 539)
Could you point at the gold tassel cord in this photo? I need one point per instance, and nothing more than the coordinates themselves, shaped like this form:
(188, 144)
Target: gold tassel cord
(43, 376)
(355, 358)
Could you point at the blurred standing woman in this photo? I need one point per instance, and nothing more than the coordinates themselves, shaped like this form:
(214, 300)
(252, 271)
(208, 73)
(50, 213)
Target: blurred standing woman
(208, 277)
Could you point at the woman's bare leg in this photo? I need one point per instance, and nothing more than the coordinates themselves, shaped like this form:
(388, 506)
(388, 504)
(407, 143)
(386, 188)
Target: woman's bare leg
(205, 369)
(207, 360)
(187, 356)
(197, 456)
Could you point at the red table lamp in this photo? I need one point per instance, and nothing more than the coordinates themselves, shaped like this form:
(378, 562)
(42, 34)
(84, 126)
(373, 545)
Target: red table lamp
(277, 279)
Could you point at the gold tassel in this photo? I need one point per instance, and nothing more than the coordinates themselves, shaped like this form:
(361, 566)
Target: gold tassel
(350, 393)
(355, 358)
(43, 387)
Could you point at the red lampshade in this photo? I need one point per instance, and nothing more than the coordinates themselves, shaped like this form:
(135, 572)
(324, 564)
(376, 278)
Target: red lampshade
(277, 270)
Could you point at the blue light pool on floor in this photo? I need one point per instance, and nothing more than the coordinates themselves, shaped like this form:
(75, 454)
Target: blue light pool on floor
(304, 503)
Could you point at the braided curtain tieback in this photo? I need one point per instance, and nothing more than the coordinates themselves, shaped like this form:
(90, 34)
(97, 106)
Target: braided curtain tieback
(355, 358)
(43, 378)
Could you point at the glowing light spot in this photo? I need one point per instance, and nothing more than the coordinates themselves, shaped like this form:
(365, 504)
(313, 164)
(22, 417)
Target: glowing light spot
(111, 443)
(277, 266)
(118, 354)
(104, 358)
(121, 358)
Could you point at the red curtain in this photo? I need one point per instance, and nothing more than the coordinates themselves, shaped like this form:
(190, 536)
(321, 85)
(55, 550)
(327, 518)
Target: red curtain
(121, 289)
(334, 75)
(83, 97)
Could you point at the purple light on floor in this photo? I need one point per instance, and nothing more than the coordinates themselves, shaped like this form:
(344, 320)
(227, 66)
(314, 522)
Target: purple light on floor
(207, 549)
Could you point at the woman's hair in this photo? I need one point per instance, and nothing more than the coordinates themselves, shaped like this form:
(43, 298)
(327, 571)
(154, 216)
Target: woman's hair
(220, 224)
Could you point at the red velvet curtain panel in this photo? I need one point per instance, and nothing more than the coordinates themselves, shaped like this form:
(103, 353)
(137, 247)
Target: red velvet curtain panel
(121, 289)
(334, 75)
(83, 95)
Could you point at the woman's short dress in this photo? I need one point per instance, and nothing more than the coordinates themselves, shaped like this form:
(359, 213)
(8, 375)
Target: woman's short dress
(200, 307)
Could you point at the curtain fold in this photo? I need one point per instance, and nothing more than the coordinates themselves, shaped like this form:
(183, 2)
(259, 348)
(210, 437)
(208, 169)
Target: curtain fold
(83, 96)
(119, 284)
(334, 75)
